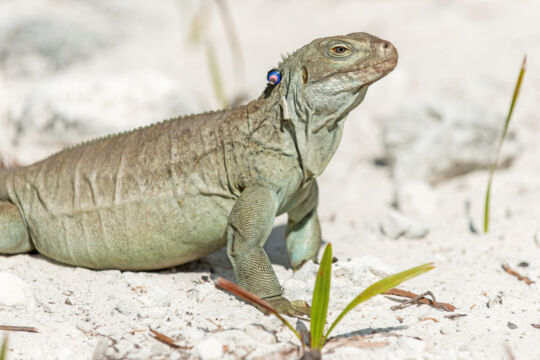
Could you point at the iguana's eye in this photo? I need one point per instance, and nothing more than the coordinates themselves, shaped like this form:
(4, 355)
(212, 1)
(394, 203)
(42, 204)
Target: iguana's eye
(339, 50)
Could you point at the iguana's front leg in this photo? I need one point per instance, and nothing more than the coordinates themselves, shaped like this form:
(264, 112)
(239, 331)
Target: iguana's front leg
(303, 231)
(250, 223)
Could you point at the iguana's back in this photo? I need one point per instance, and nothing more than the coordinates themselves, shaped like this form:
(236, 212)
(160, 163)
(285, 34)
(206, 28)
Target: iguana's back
(137, 189)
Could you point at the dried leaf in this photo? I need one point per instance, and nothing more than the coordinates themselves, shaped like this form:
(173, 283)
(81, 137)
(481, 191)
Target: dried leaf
(18, 328)
(254, 299)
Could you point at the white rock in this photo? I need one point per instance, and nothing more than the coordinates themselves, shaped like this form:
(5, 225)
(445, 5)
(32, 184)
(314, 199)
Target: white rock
(15, 291)
(365, 264)
(395, 225)
(415, 198)
(154, 312)
(209, 349)
(159, 348)
(101, 349)
(156, 297)
(65, 353)
(259, 334)
(407, 348)
(203, 291)
(128, 307)
(84, 327)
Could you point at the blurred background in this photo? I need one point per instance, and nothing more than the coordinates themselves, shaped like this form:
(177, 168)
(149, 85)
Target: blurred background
(72, 70)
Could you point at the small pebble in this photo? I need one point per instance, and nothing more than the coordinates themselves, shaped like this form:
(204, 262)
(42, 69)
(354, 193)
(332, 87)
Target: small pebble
(511, 325)
(15, 291)
(84, 327)
(158, 349)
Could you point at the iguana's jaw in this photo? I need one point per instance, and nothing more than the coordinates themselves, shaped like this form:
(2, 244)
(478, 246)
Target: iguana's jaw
(360, 73)
(365, 73)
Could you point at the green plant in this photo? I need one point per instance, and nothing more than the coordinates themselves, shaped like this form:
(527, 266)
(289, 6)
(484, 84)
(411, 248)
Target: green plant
(321, 297)
(3, 349)
(501, 141)
(199, 34)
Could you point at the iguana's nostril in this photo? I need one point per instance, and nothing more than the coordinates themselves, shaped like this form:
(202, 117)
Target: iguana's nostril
(385, 48)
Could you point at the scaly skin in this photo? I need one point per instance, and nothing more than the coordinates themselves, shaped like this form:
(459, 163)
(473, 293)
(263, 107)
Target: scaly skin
(175, 191)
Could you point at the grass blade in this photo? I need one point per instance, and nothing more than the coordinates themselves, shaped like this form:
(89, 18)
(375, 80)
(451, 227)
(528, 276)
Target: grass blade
(199, 24)
(501, 141)
(3, 349)
(321, 295)
(255, 300)
(379, 287)
(215, 74)
(236, 49)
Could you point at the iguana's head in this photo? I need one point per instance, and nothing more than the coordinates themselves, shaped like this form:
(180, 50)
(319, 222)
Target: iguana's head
(330, 76)
(321, 83)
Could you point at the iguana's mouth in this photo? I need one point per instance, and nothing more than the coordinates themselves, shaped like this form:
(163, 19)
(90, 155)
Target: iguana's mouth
(385, 65)
(380, 66)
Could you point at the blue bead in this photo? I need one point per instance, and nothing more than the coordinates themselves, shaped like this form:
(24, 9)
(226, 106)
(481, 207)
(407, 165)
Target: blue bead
(273, 77)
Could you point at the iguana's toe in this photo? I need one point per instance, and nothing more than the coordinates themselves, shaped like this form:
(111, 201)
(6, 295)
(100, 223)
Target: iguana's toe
(291, 308)
(301, 307)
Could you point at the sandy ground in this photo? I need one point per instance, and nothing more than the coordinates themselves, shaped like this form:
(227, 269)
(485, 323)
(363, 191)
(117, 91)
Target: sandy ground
(73, 70)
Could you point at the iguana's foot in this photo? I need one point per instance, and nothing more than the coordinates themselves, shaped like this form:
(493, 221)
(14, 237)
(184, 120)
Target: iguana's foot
(296, 308)
(297, 267)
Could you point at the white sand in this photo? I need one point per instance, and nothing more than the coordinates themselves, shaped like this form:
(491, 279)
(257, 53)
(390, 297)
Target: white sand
(130, 64)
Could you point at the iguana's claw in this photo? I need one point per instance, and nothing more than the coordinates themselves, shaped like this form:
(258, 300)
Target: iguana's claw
(297, 308)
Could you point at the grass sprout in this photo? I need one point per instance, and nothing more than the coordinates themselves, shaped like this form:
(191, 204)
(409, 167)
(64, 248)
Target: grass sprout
(199, 34)
(321, 297)
(501, 141)
(215, 74)
(3, 349)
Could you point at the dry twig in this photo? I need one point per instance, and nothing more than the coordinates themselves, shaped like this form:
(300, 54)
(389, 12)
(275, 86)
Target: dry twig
(520, 277)
(509, 352)
(429, 318)
(19, 328)
(167, 340)
(454, 316)
(418, 299)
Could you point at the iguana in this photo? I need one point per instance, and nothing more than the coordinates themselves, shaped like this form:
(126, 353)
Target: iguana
(172, 192)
